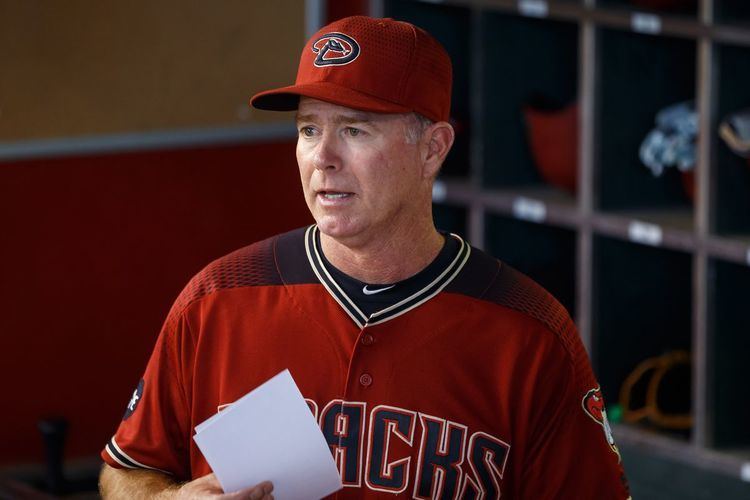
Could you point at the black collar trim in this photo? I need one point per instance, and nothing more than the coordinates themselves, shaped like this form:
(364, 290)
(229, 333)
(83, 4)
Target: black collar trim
(316, 261)
(415, 300)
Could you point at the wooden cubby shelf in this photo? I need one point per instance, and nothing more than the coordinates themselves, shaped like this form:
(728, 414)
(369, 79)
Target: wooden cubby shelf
(645, 265)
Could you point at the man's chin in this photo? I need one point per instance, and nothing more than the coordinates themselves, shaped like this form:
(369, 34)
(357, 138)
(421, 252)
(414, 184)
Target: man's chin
(338, 229)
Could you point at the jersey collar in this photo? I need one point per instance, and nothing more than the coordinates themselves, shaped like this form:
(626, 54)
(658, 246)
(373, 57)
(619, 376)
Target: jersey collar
(314, 256)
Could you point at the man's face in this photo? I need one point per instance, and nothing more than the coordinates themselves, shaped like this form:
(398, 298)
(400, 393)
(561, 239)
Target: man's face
(360, 176)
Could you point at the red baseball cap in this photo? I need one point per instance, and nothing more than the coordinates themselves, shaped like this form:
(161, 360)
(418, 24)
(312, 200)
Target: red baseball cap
(379, 65)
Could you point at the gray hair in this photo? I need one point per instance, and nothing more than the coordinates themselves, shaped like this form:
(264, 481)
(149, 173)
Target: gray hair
(415, 127)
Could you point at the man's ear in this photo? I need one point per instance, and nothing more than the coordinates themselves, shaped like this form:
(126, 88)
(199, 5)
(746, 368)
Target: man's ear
(438, 139)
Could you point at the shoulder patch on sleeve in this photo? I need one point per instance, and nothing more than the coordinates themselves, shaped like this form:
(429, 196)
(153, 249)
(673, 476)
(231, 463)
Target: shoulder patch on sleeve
(593, 405)
(134, 400)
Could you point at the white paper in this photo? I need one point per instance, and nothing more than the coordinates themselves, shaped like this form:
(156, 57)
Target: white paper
(270, 434)
(206, 423)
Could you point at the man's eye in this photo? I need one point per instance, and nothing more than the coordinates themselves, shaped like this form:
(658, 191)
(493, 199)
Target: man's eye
(307, 131)
(354, 132)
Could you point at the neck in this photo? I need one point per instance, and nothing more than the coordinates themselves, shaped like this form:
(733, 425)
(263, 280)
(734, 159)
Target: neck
(385, 260)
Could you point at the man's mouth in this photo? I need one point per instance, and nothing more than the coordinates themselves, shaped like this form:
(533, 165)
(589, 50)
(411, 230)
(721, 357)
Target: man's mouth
(334, 195)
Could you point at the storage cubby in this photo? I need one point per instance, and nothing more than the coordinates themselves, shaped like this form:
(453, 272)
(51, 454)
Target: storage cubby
(525, 62)
(732, 12)
(451, 26)
(664, 7)
(641, 309)
(730, 323)
(732, 206)
(547, 254)
(640, 75)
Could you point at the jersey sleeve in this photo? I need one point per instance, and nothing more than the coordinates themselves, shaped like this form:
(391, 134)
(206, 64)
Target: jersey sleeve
(573, 454)
(155, 430)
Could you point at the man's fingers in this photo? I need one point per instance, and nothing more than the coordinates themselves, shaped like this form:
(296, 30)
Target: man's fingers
(261, 491)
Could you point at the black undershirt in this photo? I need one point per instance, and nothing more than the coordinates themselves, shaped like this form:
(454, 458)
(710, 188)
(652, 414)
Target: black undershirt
(395, 292)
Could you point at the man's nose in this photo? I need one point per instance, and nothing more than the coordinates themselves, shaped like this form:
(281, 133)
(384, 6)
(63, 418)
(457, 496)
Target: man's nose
(327, 154)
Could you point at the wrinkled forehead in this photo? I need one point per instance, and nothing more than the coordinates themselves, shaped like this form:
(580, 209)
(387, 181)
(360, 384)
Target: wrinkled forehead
(310, 108)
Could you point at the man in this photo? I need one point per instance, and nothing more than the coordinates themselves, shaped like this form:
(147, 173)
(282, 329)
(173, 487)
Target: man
(435, 370)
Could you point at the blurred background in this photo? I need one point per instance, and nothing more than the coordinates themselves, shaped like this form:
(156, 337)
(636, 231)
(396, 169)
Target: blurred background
(602, 148)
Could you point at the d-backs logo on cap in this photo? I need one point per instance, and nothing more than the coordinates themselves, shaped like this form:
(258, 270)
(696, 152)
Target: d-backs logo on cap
(593, 405)
(335, 49)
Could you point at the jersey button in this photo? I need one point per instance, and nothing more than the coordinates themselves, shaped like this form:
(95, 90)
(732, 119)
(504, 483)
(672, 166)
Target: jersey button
(365, 379)
(367, 339)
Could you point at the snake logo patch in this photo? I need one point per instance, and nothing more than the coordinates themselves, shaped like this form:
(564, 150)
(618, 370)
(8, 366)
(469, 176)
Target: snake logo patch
(335, 49)
(593, 405)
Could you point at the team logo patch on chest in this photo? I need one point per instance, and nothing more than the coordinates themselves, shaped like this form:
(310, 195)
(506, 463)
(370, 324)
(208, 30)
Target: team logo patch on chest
(593, 405)
(335, 49)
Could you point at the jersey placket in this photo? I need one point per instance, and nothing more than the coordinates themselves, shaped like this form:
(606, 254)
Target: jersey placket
(367, 376)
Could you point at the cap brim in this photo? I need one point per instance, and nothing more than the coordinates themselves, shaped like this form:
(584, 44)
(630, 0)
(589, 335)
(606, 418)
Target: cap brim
(287, 98)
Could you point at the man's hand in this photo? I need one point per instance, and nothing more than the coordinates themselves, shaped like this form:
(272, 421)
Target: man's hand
(143, 483)
(209, 487)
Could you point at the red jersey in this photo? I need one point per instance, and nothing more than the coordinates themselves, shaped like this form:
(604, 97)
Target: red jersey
(474, 387)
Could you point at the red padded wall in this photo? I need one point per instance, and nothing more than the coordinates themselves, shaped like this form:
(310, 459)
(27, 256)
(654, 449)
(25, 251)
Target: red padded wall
(94, 250)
